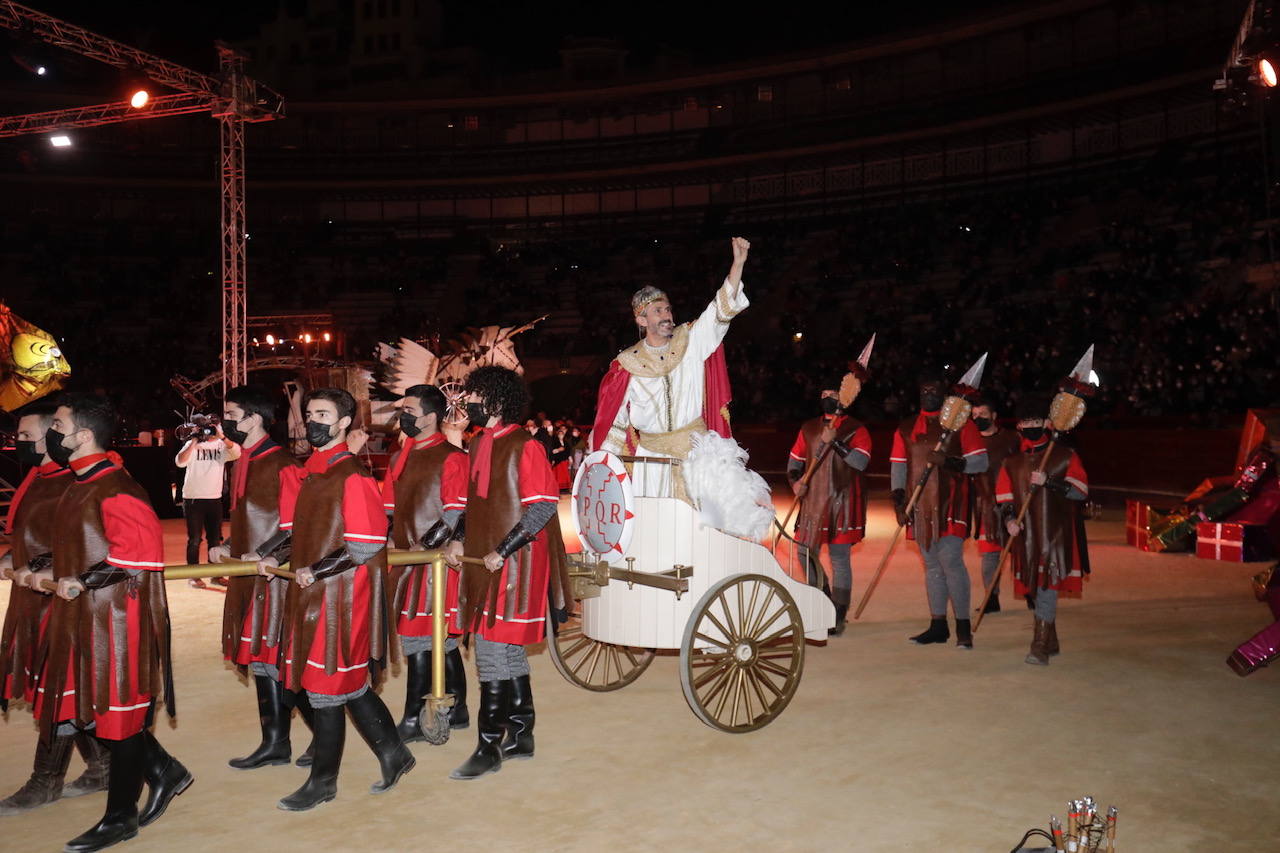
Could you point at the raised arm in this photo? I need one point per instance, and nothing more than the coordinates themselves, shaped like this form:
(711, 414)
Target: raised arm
(706, 333)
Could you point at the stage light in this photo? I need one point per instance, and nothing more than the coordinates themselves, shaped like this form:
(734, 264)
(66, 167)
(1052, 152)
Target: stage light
(60, 141)
(1267, 73)
(271, 340)
(327, 336)
(140, 99)
(306, 337)
(797, 337)
(41, 71)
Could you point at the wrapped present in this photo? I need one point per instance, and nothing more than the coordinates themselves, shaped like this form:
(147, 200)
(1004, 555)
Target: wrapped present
(1138, 518)
(1232, 543)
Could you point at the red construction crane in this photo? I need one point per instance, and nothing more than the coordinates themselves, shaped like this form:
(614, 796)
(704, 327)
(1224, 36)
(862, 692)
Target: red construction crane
(230, 97)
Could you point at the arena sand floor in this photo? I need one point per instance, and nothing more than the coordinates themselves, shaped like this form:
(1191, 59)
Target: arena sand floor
(886, 747)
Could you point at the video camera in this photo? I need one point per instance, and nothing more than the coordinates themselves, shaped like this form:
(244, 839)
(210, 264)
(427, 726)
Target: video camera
(199, 428)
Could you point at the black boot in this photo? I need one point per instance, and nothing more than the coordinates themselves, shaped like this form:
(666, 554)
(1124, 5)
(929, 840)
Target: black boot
(520, 714)
(936, 633)
(842, 610)
(165, 776)
(47, 772)
(329, 735)
(490, 724)
(120, 821)
(993, 603)
(304, 710)
(97, 764)
(417, 685)
(374, 723)
(455, 684)
(273, 714)
(964, 636)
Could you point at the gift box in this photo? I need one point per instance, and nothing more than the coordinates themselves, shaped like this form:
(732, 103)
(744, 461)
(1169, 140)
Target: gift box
(1138, 517)
(1232, 543)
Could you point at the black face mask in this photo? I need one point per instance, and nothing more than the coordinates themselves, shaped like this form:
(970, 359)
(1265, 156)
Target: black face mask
(409, 425)
(27, 453)
(829, 405)
(53, 444)
(1032, 434)
(231, 429)
(475, 414)
(318, 434)
(930, 401)
(983, 424)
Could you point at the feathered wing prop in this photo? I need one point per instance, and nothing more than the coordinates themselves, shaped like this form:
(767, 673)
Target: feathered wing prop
(31, 364)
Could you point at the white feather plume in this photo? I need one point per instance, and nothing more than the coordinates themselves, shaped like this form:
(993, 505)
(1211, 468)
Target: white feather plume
(729, 496)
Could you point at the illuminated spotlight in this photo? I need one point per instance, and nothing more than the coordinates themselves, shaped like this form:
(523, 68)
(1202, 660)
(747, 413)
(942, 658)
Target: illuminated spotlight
(1267, 73)
(41, 71)
(140, 99)
(60, 141)
(271, 340)
(327, 336)
(306, 337)
(797, 337)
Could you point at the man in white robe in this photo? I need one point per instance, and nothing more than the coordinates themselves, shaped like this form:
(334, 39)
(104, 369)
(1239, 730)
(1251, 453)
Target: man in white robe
(668, 395)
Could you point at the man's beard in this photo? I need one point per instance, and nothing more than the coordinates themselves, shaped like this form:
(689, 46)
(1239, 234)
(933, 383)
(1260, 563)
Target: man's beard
(666, 328)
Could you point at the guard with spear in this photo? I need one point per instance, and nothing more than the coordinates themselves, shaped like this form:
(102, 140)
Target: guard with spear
(934, 452)
(1048, 485)
(826, 468)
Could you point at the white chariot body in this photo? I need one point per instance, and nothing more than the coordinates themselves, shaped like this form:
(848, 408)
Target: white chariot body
(653, 577)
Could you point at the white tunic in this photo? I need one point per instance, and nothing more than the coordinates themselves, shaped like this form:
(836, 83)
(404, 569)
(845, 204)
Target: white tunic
(665, 403)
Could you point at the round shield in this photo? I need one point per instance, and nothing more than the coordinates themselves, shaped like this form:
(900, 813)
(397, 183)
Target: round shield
(604, 504)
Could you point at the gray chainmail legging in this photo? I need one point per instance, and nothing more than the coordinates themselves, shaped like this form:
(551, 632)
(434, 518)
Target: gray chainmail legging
(500, 661)
(415, 645)
(945, 577)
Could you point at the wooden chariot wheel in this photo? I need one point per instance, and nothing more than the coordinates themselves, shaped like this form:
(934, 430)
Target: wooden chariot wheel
(742, 653)
(591, 664)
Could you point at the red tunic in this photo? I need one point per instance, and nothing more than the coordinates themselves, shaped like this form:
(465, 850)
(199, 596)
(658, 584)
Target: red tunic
(120, 634)
(265, 476)
(509, 621)
(850, 507)
(338, 612)
(30, 528)
(943, 508)
(1051, 553)
(988, 529)
(414, 617)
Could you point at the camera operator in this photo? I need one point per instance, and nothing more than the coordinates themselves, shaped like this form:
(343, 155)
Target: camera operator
(204, 457)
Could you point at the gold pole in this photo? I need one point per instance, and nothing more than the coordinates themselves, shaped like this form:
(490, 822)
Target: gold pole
(438, 630)
(234, 569)
(1008, 546)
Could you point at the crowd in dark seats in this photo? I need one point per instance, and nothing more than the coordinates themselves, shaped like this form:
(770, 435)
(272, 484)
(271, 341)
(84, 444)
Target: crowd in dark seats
(1150, 261)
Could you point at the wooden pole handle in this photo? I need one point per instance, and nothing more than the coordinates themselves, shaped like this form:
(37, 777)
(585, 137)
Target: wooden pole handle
(1008, 545)
(897, 534)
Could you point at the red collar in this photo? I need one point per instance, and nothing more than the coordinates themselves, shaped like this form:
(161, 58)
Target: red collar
(84, 463)
(1028, 447)
(320, 460)
(500, 431)
(50, 468)
(432, 440)
(91, 467)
